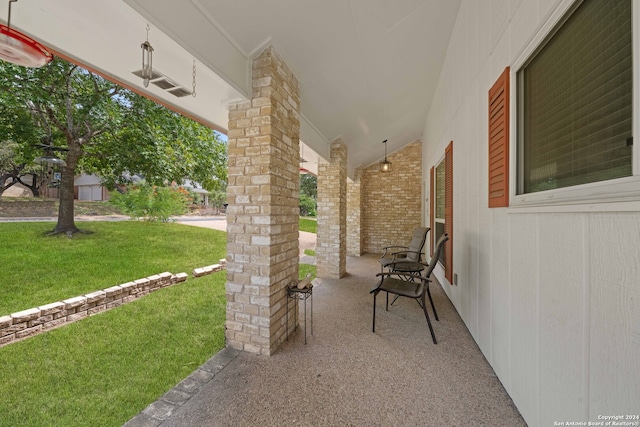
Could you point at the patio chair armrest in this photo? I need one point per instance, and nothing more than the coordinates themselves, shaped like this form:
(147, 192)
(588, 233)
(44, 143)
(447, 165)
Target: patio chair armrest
(386, 248)
(377, 287)
(399, 276)
(398, 255)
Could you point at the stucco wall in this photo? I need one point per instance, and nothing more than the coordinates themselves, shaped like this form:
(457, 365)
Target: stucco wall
(392, 202)
(550, 294)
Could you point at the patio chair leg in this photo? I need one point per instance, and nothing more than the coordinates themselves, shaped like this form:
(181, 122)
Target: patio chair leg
(387, 306)
(373, 329)
(424, 308)
(435, 313)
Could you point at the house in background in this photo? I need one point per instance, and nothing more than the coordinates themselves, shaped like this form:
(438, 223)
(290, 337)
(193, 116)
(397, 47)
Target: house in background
(89, 188)
(197, 188)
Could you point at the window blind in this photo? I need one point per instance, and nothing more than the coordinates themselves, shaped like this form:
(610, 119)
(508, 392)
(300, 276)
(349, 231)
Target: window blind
(576, 118)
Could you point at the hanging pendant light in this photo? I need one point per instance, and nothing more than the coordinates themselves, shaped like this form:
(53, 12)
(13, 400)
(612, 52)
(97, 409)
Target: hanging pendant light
(19, 49)
(385, 165)
(147, 60)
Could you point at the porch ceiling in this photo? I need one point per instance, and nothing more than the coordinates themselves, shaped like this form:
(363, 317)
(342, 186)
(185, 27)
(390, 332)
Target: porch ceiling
(367, 68)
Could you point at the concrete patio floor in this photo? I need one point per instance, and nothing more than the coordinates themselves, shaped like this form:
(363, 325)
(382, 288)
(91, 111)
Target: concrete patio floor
(346, 375)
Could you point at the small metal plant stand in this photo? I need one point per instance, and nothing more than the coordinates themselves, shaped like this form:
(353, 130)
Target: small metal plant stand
(293, 292)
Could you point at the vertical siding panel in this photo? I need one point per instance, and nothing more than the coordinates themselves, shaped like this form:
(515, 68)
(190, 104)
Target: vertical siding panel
(614, 384)
(485, 300)
(499, 19)
(473, 212)
(562, 339)
(523, 301)
(484, 215)
(500, 296)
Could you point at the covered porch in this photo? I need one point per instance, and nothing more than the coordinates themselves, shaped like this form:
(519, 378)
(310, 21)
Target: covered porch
(546, 282)
(345, 374)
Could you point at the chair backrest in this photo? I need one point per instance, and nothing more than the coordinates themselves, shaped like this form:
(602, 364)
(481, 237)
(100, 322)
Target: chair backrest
(436, 255)
(417, 243)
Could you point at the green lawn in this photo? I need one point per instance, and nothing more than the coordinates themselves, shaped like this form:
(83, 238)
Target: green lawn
(103, 370)
(38, 269)
(309, 225)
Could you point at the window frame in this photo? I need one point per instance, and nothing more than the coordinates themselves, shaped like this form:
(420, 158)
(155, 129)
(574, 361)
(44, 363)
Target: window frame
(614, 190)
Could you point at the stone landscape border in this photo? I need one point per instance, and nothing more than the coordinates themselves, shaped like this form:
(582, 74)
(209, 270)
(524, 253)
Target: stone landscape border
(27, 323)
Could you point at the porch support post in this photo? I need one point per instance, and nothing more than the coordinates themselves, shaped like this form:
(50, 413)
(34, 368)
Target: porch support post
(262, 216)
(331, 245)
(354, 215)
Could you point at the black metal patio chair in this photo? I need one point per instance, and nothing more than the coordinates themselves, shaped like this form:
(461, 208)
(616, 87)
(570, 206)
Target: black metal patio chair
(397, 283)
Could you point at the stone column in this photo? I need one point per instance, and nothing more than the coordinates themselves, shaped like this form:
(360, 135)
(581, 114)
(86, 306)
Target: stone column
(262, 216)
(354, 215)
(331, 247)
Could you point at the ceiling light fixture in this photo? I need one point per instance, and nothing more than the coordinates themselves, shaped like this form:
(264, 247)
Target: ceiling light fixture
(19, 49)
(385, 165)
(147, 61)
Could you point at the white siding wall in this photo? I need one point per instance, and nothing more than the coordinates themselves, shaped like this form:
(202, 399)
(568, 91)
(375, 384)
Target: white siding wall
(552, 296)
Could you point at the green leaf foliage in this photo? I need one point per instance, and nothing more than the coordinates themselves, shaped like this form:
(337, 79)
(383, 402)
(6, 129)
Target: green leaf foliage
(150, 202)
(307, 205)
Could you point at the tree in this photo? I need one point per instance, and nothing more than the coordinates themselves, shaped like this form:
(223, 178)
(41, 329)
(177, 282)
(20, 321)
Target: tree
(309, 185)
(66, 100)
(107, 130)
(160, 145)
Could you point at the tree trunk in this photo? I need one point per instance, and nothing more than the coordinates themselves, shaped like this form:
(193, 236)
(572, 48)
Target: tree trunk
(3, 179)
(66, 221)
(33, 186)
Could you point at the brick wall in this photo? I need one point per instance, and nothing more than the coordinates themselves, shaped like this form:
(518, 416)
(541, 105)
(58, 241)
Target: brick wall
(28, 208)
(392, 202)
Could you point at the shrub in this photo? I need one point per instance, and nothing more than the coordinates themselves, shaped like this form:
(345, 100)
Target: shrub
(307, 205)
(150, 202)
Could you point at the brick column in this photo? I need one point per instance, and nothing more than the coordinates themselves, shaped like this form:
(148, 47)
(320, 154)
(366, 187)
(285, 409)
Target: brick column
(354, 215)
(331, 247)
(262, 216)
